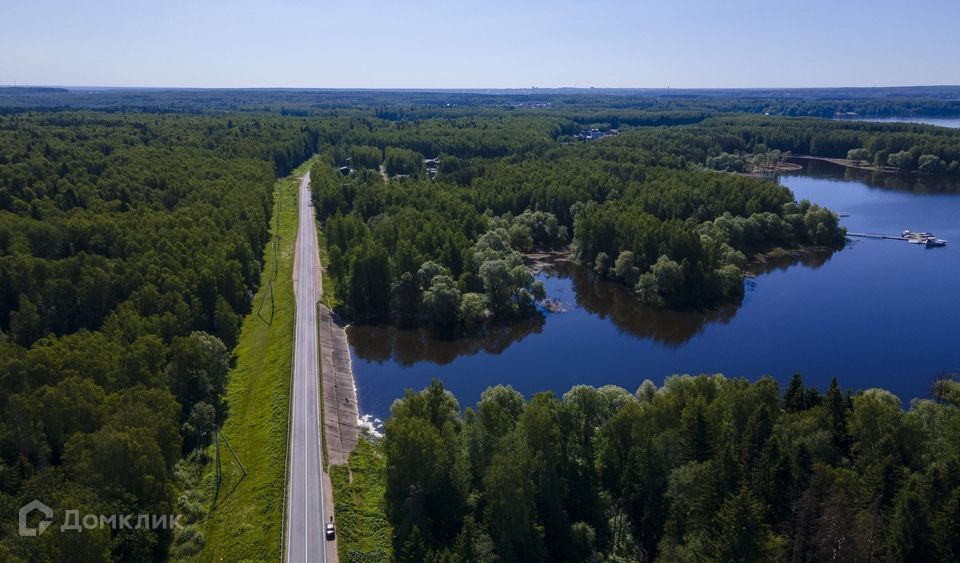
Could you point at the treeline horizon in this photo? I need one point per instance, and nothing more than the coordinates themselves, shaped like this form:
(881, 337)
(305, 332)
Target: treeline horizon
(928, 101)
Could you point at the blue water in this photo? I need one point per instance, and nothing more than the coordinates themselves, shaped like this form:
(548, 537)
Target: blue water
(878, 313)
(951, 122)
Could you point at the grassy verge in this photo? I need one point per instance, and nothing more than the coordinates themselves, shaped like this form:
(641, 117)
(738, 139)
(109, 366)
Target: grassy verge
(363, 532)
(329, 295)
(245, 520)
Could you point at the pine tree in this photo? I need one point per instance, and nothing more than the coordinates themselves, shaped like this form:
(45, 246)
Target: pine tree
(794, 399)
(909, 535)
(741, 534)
(696, 437)
(837, 412)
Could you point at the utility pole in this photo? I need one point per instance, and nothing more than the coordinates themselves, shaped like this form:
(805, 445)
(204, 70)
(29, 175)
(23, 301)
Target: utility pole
(233, 453)
(217, 436)
(275, 244)
(216, 441)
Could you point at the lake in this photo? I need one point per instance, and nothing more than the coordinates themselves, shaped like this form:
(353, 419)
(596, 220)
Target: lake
(951, 122)
(879, 313)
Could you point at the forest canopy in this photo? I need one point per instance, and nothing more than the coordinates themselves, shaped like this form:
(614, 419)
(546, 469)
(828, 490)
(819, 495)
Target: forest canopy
(704, 468)
(130, 247)
(635, 208)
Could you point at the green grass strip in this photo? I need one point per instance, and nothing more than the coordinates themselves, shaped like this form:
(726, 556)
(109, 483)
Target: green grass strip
(363, 531)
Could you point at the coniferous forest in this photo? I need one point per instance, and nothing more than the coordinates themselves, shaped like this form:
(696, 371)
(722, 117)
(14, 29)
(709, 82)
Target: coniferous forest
(701, 469)
(133, 227)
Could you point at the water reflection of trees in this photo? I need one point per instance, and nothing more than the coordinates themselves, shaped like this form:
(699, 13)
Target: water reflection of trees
(607, 300)
(378, 343)
(616, 302)
(812, 258)
(910, 182)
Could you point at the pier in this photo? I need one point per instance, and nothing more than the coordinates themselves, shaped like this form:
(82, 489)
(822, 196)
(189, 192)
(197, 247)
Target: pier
(871, 235)
(928, 240)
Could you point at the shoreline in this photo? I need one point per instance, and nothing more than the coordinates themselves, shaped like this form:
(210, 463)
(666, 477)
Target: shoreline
(778, 168)
(539, 260)
(759, 263)
(340, 407)
(847, 163)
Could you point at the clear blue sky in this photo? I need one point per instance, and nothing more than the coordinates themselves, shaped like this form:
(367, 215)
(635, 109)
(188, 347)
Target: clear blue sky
(489, 43)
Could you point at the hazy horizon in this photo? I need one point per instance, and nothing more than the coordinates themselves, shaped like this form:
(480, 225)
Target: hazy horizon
(375, 44)
(476, 88)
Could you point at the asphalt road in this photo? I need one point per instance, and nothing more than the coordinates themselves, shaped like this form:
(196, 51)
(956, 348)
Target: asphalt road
(305, 512)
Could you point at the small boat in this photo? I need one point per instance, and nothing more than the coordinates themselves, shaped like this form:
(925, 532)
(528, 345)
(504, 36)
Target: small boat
(935, 242)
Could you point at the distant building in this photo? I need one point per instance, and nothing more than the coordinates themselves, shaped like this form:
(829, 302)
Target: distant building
(594, 133)
(432, 165)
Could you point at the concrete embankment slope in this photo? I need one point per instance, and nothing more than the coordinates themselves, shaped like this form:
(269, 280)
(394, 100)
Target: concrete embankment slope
(341, 414)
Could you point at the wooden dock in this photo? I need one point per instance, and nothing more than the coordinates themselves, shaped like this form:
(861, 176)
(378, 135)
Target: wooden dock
(927, 241)
(872, 235)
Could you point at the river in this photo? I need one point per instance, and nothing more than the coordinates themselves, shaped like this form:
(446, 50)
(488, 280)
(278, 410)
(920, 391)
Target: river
(879, 313)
